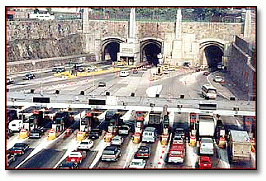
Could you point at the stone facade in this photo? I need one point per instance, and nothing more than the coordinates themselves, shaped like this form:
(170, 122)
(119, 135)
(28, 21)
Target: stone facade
(28, 40)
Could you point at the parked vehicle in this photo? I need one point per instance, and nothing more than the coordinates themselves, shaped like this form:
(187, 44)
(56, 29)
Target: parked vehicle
(124, 130)
(9, 80)
(68, 165)
(177, 153)
(101, 84)
(137, 164)
(85, 144)
(149, 134)
(117, 140)
(239, 148)
(9, 133)
(204, 162)
(143, 152)
(15, 125)
(28, 76)
(36, 133)
(19, 149)
(206, 146)
(111, 153)
(10, 158)
(209, 92)
(76, 156)
(135, 71)
(124, 74)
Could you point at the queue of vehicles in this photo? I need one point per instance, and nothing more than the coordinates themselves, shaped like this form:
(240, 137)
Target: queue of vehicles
(147, 124)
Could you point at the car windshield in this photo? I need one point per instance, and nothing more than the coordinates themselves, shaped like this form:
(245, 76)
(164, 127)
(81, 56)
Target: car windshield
(135, 163)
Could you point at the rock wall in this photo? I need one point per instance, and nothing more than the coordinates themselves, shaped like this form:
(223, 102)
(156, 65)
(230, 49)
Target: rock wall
(28, 40)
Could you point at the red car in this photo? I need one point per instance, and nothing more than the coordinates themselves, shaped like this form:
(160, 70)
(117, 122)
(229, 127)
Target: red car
(205, 162)
(76, 156)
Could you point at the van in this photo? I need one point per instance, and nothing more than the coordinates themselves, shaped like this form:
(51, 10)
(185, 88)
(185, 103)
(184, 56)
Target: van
(124, 73)
(149, 134)
(206, 146)
(209, 92)
(15, 125)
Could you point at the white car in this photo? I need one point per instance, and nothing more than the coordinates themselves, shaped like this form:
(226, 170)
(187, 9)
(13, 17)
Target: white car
(85, 144)
(124, 73)
(117, 140)
(218, 78)
(124, 129)
(137, 163)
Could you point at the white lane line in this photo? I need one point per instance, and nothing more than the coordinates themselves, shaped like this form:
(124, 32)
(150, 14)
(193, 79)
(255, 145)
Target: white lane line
(100, 149)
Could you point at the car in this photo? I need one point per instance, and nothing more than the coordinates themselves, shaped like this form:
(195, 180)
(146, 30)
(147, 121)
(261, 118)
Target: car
(180, 132)
(85, 144)
(101, 84)
(28, 76)
(143, 152)
(10, 158)
(36, 133)
(19, 149)
(111, 153)
(206, 73)
(76, 156)
(9, 81)
(205, 162)
(135, 71)
(95, 133)
(218, 79)
(58, 69)
(68, 165)
(117, 140)
(124, 129)
(177, 139)
(137, 164)
(9, 133)
(124, 74)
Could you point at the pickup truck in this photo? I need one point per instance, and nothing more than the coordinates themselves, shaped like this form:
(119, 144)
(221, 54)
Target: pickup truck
(76, 156)
(111, 153)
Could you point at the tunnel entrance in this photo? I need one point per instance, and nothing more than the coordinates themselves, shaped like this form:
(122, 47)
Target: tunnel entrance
(214, 56)
(149, 51)
(110, 51)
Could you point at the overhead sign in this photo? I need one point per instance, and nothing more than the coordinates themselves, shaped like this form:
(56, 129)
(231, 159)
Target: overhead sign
(41, 99)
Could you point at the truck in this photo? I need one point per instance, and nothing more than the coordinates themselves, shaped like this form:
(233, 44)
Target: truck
(207, 125)
(154, 119)
(76, 156)
(177, 153)
(239, 147)
(149, 134)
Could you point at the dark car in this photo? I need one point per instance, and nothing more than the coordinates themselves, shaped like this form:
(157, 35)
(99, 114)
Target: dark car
(206, 73)
(95, 133)
(28, 76)
(179, 132)
(68, 165)
(135, 71)
(36, 133)
(101, 84)
(19, 149)
(58, 70)
(9, 133)
(143, 152)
